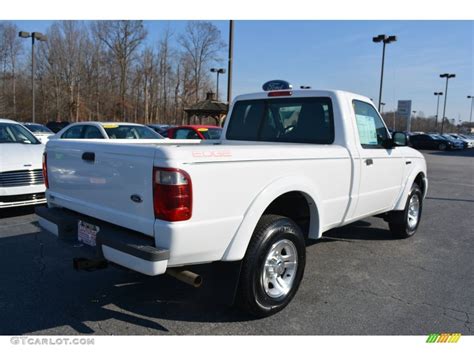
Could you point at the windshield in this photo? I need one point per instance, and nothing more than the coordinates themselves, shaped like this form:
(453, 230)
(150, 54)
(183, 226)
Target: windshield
(211, 133)
(435, 136)
(448, 137)
(38, 128)
(130, 132)
(15, 133)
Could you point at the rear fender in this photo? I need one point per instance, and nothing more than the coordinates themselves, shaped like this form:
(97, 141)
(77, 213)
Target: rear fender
(238, 245)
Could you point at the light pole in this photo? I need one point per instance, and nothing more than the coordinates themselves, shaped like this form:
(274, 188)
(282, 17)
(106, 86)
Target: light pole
(470, 116)
(385, 40)
(40, 37)
(447, 76)
(218, 71)
(437, 94)
(382, 104)
(229, 63)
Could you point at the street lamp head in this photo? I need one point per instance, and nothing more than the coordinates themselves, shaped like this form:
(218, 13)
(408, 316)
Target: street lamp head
(24, 34)
(390, 39)
(447, 75)
(379, 38)
(438, 93)
(470, 97)
(39, 36)
(218, 70)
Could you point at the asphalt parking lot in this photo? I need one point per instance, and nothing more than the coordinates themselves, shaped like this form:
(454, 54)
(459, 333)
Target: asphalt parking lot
(358, 280)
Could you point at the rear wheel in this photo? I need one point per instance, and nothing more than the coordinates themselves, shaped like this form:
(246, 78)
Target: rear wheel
(403, 224)
(273, 266)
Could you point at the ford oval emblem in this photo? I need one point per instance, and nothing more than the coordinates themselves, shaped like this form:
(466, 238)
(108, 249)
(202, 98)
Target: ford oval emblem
(136, 198)
(276, 85)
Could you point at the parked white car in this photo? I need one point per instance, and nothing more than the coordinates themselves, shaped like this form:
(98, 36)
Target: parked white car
(106, 130)
(463, 138)
(290, 165)
(40, 131)
(21, 179)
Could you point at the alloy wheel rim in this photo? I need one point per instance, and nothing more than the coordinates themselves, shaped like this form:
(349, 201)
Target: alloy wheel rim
(413, 211)
(279, 269)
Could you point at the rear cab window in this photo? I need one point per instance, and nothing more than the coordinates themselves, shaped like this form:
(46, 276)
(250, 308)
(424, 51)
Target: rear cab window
(290, 120)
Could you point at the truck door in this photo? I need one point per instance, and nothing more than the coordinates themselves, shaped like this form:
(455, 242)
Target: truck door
(381, 169)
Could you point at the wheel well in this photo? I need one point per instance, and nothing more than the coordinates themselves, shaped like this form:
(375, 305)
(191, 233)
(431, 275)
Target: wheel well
(295, 206)
(419, 180)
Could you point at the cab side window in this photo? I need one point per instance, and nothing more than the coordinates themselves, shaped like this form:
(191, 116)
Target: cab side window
(73, 133)
(372, 131)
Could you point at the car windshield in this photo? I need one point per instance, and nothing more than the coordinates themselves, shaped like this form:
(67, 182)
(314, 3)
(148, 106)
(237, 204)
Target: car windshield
(448, 137)
(115, 131)
(211, 133)
(38, 128)
(15, 133)
(435, 136)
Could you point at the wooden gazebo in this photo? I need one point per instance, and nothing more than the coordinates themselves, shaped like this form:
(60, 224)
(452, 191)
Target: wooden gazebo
(208, 108)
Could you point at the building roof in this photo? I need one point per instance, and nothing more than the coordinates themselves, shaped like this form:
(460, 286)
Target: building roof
(207, 107)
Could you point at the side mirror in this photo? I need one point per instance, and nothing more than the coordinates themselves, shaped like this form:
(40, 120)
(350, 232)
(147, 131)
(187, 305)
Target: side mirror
(400, 139)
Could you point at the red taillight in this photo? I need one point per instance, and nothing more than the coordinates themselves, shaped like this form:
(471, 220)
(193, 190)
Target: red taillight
(280, 93)
(45, 170)
(172, 194)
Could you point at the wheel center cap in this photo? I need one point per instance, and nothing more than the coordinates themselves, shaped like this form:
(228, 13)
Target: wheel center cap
(279, 267)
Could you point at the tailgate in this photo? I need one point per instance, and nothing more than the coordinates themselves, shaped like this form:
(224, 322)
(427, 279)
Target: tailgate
(111, 182)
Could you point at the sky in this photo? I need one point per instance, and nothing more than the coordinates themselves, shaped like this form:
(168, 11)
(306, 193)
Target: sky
(341, 55)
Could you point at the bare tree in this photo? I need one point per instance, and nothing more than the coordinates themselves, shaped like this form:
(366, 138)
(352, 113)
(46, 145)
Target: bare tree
(202, 43)
(122, 38)
(11, 48)
(98, 70)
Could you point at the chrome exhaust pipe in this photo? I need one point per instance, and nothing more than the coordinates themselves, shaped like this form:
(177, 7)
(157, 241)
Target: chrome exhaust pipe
(186, 276)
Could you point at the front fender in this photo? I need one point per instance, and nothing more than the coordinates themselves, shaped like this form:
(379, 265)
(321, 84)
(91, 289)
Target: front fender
(238, 245)
(419, 167)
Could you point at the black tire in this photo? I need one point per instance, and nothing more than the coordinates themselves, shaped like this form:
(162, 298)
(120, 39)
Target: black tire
(442, 146)
(399, 220)
(251, 294)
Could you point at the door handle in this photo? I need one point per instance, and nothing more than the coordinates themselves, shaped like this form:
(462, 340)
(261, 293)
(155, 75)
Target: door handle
(88, 156)
(408, 162)
(369, 161)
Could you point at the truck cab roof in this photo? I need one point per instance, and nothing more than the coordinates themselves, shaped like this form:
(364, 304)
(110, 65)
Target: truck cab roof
(300, 93)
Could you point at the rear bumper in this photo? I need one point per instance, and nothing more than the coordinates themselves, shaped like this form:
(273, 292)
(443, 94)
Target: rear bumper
(118, 245)
(22, 200)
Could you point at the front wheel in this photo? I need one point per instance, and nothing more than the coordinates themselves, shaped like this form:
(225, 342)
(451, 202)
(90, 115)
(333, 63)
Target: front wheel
(442, 146)
(403, 224)
(273, 266)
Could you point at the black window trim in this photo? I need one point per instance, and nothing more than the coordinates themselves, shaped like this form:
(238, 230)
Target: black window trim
(369, 146)
(281, 99)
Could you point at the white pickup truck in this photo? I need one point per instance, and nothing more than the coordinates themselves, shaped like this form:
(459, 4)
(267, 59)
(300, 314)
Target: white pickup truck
(290, 165)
